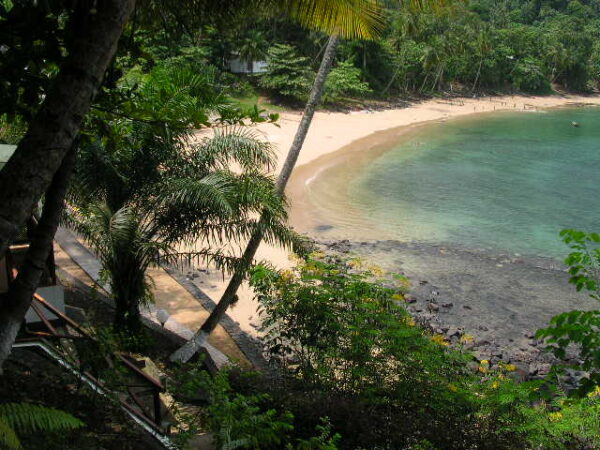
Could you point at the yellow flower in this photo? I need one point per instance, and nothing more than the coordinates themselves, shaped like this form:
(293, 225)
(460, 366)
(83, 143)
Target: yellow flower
(484, 366)
(410, 321)
(376, 271)
(354, 263)
(554, 416)
(510, 367)
(439, 339)
(452, 387)
(287, 275)
(397, 297)
(495, 385)
(466, 338)
(595, 392)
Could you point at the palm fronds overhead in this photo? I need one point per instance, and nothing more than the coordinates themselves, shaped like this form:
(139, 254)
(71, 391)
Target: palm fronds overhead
(357, 19)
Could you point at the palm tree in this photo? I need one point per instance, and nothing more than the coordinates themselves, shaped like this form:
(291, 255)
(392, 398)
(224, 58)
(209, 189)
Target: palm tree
(253, 47)
(364, 9)
(126, 246)
(198, 199)
(363, 20)
(97, 28)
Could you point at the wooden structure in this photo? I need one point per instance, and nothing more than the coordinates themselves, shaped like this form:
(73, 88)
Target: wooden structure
(137, 391)
(48, 329)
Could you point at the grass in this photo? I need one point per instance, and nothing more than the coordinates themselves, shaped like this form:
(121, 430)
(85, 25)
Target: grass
(250, 99)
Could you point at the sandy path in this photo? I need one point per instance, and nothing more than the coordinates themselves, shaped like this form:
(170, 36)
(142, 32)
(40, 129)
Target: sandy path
(332, 131)
(170, 295)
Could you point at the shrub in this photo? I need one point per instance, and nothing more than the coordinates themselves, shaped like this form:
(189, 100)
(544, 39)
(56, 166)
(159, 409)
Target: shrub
(344, 81)
(288, 75)
(528, 76)
(580, 330)
(359, 358)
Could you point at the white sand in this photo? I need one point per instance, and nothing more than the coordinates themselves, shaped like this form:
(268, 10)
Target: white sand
(332, 131)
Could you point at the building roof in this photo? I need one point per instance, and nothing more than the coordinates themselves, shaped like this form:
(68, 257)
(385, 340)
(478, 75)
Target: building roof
(6, 152)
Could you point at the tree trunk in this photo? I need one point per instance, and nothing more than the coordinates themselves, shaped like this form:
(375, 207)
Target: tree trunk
(52, 131)
(185, 352)
(15, 303)
(424, 81)
(389, 85)
(477, 76)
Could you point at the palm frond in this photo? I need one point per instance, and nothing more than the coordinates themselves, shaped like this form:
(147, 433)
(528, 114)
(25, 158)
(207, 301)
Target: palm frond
(354, 19)
(235, 145)
(214, 192)
(223, 261)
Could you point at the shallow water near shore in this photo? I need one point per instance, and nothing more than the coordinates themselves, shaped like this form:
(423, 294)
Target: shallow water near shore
(507, 181)
(470, 209)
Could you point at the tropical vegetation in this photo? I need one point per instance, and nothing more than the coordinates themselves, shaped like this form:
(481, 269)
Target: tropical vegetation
(132, 131)
(28, 418)
(351, 359)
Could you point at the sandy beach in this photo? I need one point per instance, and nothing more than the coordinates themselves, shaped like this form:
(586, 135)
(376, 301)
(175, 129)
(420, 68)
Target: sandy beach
(333, 132)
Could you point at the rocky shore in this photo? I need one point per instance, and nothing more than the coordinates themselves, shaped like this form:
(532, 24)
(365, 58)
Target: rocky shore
(489, 303)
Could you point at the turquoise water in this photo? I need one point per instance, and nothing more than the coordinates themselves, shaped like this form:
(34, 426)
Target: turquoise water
(508, 181)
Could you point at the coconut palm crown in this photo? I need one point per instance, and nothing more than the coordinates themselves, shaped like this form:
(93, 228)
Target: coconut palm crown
(150, 191)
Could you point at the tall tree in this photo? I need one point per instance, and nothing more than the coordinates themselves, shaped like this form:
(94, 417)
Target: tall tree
(39, 163)
(185, 352)
(17, 300)
(369, 9)
(97, 27)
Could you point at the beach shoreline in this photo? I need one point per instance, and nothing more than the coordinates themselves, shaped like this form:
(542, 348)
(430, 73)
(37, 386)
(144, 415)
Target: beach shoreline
(333, 133)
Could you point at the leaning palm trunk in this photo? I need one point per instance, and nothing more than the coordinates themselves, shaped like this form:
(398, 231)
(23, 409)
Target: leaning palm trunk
(185, 352)
(52, 131)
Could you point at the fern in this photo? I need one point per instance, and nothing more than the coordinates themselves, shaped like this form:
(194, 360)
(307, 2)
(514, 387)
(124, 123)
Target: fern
(27, 418)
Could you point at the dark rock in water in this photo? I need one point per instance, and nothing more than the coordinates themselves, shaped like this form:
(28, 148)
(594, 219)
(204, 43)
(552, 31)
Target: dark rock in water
(410, 298)
(453, 331)
(323, 228)
(467, 307)
(422, 282)
(448, 305)
(539, 369)
(343, 246)
(433, 307)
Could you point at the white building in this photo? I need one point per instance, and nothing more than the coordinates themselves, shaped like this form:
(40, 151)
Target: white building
(238, 65)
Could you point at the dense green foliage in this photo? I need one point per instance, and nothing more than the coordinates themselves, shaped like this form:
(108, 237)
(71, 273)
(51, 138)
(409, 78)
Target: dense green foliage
(144, 187)
(478, 45)
(288, 74)
(26, 418)
(580, 330)
(353, 355)
(344, 81)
